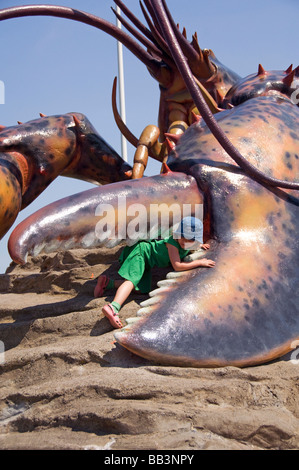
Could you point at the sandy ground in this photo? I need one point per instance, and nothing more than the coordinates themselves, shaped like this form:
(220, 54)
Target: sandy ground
(66, 384)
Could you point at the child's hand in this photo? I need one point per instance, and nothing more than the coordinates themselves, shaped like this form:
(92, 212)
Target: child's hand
(208, 263)
(205, 246)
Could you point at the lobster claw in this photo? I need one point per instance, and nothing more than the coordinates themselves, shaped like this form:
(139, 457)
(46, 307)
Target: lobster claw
(30, 159)
(95, 161)
(10, 192)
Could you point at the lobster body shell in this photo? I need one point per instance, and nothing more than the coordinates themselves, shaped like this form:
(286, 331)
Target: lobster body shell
(176, 102)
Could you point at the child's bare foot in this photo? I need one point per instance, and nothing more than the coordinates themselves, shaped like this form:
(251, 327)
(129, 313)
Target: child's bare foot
(112, 316)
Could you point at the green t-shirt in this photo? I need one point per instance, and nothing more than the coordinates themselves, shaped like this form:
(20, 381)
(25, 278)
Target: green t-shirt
(138, 260)
(158, 252)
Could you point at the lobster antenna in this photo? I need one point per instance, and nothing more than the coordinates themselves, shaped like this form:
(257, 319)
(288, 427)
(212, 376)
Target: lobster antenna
(120, 124)
(124, 149)
(77, 15)
(151, 47)
(134, 20)
(155, 32)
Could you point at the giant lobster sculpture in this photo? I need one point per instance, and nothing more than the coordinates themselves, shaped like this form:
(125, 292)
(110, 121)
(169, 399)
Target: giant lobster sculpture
(231, 144)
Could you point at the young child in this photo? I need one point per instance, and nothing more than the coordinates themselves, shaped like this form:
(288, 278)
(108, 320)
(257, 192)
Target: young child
(138, 260)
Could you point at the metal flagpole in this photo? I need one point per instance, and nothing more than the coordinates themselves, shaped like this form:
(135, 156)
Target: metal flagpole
(121, 85)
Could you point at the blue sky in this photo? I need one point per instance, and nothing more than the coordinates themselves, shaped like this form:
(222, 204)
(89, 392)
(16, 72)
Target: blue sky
(54, 66)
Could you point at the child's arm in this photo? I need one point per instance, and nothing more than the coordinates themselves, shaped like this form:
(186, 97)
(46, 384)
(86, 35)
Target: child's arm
(179, 265)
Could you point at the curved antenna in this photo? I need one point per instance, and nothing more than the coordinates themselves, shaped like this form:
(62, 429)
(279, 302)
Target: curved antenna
(204, 110)
(136, 22)
(148, 44)
(118, 119)
(77, 15)
(151, 39)
(187, 48)
(155, 32)
(123, 127)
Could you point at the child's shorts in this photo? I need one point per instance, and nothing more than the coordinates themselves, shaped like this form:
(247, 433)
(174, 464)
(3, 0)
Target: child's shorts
(134, 267)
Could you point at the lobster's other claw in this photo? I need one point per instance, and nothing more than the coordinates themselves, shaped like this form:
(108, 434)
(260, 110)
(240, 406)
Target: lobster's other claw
(36, 152)
(10, 192)
(40, 150)
(107, 215)
(95, 161)
(66, 145)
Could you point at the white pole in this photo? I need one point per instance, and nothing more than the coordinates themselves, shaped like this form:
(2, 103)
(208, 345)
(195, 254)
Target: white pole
(121, 85)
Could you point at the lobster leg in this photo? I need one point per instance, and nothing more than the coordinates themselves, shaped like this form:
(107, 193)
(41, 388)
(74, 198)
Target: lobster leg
(36, 152)
(148, 139)
(108, 215)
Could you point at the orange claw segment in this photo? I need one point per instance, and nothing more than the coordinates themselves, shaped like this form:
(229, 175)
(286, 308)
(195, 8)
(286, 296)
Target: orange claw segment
(40, 149)
(36, 152)
(25, 169)
(10, 194)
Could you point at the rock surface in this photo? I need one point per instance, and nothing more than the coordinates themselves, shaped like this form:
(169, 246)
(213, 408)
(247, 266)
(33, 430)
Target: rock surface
(66, 384)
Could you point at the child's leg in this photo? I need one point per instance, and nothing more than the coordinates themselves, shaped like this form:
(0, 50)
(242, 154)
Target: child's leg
(123, 292)
(118, 283)
(111, 310)
(105, 283)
